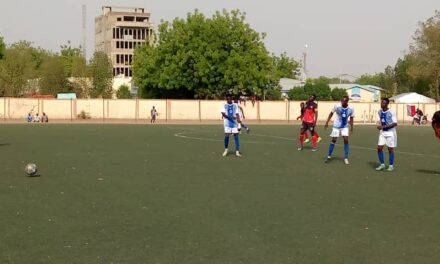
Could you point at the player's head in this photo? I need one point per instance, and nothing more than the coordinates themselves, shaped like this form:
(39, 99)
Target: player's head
(344, 100)
(301, 104)
(236, 99)
(229, 98)
(384, 103)
(312, 98)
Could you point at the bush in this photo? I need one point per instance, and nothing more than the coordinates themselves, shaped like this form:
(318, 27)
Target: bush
(123, 92)
(84, 115)
(338, 93)
(297, 94)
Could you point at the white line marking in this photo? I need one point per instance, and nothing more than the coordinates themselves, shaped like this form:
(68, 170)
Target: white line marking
(181, 135)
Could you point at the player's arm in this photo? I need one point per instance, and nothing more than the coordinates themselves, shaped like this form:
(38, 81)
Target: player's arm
(316, 116)
(237, 117)
(227, 117)
(328, 119)
(242, 112)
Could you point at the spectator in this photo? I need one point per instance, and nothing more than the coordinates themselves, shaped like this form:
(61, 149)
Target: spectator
(153, 115)
(37, 118)
(44, 118)
(30, 118)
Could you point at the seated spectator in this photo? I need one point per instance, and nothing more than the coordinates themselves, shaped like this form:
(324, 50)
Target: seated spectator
(30, 118)
(44, 118)
(37, 118)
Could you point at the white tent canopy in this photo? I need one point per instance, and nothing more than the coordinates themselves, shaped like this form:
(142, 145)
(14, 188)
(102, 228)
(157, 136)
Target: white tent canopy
(412, 98)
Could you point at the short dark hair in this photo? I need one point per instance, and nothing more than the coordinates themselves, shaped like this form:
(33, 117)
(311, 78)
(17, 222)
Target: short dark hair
(346, 97)
(386, 99)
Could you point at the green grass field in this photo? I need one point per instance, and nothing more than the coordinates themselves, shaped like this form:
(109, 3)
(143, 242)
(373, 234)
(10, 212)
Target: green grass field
(164, 194)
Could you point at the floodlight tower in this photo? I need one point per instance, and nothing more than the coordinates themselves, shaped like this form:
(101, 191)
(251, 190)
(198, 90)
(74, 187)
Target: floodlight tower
(84, 31)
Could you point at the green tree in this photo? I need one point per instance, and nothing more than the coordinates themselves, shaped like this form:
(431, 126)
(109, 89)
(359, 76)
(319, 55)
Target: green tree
(199, 57)
(69, 55)
(101, 76)
(285, 66)
(123, 92)
(16, 69)
(319, 88)
(297, 94)
(338, 93)
(80, 81)
(425, 52)
(53, 76)
(2, 48)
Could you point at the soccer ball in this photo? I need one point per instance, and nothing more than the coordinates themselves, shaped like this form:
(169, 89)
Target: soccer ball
(30, 169)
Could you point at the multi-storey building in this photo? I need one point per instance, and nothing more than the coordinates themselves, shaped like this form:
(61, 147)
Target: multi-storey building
(118, 31)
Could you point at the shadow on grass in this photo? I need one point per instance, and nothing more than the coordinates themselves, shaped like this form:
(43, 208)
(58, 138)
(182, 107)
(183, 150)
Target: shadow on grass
(432, 172)
(4, 144)
(373, 164)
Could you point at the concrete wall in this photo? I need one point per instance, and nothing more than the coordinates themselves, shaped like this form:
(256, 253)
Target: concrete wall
(137, 109)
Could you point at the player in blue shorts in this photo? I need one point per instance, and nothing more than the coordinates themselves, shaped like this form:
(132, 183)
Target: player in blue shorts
(231, 117)
(387, 134)
(343, 118)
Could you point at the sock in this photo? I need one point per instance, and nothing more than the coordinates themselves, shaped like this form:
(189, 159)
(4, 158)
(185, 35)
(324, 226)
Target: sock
(346, 149)
(381, 158)
(244, 126)
(314, 140)
(301, 138)
(226, 142)
(317, 135)
(237, 142)
(392, 158)
(331, 147)
(306, 135)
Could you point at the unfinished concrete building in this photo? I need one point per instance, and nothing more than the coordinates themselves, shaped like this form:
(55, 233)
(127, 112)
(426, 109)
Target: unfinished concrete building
(118, 31)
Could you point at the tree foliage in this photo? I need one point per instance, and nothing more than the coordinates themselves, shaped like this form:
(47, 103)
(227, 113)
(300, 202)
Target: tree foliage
(338, 93)
(123, 92)
(53, 76)
(16, 69)
(285, 66)
(101, 76)
(2, 47)
(200, 57)
(425, 54)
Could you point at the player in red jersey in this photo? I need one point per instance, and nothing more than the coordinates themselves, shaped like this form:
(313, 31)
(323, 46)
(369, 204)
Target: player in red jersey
(436, 124)
(309, 119)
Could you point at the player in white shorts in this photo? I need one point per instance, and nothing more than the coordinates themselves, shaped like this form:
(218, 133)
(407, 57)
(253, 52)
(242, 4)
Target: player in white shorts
(387, 134)
(231, 119)
(343, 118)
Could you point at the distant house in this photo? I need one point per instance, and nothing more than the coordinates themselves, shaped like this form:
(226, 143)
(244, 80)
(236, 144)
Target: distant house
(360, 93)
(287, 84)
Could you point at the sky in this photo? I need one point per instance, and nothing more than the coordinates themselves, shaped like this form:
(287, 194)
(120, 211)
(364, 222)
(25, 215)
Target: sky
(343, 36)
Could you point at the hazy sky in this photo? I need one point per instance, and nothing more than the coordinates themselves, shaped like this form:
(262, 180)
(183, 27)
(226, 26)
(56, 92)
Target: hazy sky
(344, 36)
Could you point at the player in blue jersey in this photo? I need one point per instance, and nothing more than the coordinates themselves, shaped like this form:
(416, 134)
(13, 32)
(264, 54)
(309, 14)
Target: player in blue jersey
(231, 117)
(387, 134)
(343, 119)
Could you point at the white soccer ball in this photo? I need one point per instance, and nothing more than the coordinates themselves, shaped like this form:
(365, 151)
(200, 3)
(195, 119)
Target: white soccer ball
(30, 169)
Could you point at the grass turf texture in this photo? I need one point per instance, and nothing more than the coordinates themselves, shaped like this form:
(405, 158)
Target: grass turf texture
(164, 194)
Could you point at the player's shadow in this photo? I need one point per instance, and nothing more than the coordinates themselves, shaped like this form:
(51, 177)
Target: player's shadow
(373, 164)
(431, 172)
(34, 176)
(4, 144)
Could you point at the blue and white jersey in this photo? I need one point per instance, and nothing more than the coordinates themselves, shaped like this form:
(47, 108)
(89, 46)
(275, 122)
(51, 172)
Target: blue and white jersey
(342, 115)
(387, 118)
(231, 110)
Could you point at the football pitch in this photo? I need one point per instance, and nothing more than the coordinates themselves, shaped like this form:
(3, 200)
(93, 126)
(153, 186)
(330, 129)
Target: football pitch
(164, 194)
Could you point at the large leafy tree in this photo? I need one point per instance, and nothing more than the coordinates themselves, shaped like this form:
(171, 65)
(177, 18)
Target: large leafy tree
(425, 52)
(69, 56)
(285, 66)
(101, 76)
(200, 57)
(16, 69)
(53, 76)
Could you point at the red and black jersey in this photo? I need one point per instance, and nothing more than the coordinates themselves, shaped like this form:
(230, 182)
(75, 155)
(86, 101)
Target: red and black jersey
(310, 110)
